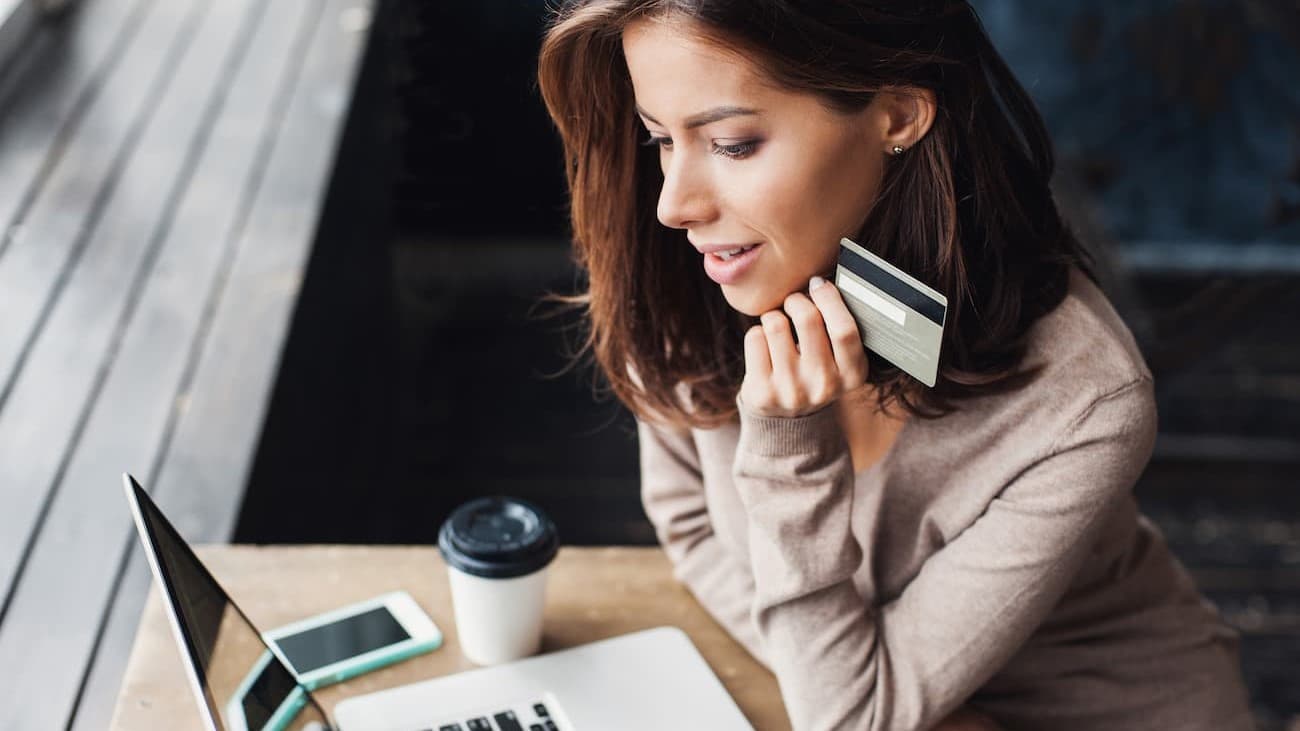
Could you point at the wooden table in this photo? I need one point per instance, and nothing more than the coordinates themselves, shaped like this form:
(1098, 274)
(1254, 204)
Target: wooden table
(592, 594)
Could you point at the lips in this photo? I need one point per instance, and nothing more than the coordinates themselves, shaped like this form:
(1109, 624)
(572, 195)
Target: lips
(730, 253)
(716, 248)
(729, 270)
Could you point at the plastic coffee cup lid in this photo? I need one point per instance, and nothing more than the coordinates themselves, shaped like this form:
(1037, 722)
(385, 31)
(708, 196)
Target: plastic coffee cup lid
(498, 538)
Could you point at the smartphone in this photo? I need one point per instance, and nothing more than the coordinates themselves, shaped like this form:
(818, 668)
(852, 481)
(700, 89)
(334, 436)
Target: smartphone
(268, 700)
(351, 640)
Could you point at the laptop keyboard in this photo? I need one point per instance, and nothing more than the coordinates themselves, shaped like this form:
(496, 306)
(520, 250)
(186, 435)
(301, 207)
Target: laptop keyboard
(532, 715)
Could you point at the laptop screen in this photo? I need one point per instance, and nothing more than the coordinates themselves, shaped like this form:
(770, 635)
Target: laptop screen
(245, 687)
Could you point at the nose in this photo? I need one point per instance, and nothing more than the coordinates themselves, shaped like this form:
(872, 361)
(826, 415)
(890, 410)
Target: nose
(687, 195)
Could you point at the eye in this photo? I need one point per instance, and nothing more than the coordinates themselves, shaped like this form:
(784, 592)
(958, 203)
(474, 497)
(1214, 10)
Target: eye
(737, 151)
(661, 142)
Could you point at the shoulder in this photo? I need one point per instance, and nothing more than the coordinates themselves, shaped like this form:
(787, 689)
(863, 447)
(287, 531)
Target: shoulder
(681, 394)
(1090, 360)
(1084, 340)
(1090, 372)
(1084, 353)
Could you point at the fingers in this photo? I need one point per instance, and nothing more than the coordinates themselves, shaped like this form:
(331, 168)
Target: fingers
(784, 355)
(758, 361)
(817, 367)
(843, 334)
(829, 360)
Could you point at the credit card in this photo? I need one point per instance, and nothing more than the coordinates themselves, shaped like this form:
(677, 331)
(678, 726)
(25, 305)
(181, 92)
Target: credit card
(900, 319)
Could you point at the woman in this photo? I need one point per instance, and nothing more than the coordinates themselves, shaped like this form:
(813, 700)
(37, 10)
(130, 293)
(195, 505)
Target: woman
(900, 557)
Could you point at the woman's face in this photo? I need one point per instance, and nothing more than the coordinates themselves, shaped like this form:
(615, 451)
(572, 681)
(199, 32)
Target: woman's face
(790, 176)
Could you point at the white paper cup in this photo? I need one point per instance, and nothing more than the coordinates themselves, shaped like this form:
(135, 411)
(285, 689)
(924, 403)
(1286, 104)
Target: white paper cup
(498, 620)
(497, 552)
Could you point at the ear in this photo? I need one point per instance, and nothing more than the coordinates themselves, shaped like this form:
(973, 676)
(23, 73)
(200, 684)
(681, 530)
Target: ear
(906, 116)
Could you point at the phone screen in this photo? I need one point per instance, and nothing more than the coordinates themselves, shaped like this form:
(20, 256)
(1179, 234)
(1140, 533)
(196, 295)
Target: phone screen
(268, 692)
(339, 640)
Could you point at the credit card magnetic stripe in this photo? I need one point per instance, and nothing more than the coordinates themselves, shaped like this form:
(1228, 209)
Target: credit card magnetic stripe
(887, 282)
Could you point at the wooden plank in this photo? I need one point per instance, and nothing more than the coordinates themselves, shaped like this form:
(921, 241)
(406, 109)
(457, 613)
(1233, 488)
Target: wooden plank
(69, 577)
(325, 79)
(102, 680)
(69, 582)
(47, 401)
(18, 20)
(228, 168)
(42, 413)
(212, 452)
(329, 104)
(35, 261)
(67, 206)
(46, 93)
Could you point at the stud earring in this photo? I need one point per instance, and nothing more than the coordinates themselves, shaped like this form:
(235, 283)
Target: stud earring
(898, 150)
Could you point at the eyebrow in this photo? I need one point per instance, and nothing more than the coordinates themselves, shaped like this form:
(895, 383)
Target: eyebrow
(708, 117)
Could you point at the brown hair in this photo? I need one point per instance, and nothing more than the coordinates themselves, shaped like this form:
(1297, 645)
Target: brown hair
(967, 209)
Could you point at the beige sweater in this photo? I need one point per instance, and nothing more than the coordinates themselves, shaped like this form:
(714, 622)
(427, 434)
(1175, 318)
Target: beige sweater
(994, 557)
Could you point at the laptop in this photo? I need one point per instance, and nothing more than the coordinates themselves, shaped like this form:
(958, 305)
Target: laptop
(653, 679)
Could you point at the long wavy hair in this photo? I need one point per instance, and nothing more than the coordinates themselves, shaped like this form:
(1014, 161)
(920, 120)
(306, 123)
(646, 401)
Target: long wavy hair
(968, 210)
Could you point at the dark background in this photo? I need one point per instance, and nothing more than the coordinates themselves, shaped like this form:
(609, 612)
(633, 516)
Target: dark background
(421, 370)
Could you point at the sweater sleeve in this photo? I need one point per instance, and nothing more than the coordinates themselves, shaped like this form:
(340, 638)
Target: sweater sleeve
(906, 664)
(672, 492)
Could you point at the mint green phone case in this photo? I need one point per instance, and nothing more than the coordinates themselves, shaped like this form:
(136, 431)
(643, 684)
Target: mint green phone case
(365, 662)
(392, 654)
(283, 715)
(287, 711)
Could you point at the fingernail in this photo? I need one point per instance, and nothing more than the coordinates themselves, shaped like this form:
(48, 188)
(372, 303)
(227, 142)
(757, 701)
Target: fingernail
(814, 283)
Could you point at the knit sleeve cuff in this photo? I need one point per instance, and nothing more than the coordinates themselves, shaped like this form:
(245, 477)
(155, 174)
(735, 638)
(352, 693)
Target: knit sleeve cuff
(779, 436)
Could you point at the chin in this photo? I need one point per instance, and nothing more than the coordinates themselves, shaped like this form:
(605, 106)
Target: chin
(747, 301)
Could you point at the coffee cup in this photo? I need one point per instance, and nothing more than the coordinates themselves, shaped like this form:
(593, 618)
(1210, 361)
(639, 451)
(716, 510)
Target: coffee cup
(497, 550)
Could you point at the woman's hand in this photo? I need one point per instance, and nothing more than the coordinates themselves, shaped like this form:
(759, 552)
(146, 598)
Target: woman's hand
(782, 379)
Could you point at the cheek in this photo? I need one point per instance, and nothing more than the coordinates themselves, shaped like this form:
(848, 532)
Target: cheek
(804, 202)
(846, 186)
(779, 198)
